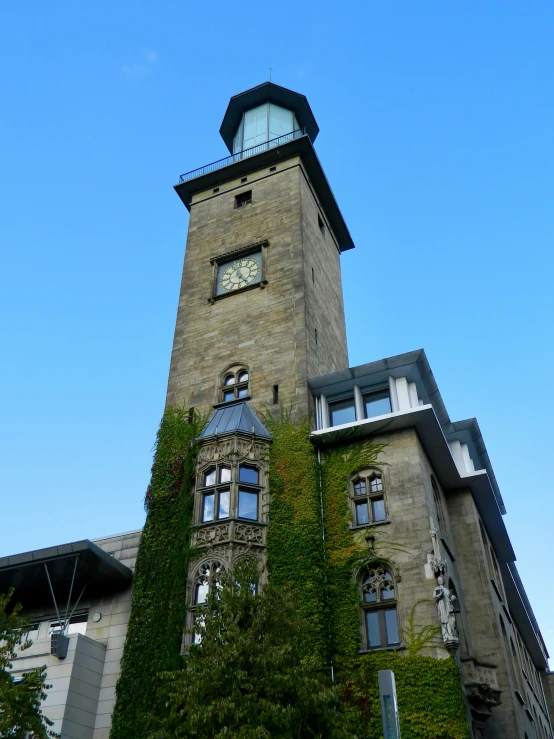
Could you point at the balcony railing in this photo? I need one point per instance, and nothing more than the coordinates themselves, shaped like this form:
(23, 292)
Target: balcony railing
(244, 154)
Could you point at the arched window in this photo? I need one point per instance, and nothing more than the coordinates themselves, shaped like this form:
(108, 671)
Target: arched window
(503, 628)
(207, 577)
(367, 499)
(234, 384)
(379, 608)
(438, 504)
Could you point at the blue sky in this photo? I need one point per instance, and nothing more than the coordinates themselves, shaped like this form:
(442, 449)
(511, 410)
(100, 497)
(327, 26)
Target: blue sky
(436, 135)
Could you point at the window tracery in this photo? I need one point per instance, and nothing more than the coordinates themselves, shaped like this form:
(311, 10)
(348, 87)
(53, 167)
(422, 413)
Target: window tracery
(380, 621)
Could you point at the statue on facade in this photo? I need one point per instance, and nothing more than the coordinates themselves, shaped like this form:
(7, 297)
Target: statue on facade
(444, 598)
(446, 605)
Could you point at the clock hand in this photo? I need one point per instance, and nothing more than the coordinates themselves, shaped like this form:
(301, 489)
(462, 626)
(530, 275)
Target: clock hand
(238, 272)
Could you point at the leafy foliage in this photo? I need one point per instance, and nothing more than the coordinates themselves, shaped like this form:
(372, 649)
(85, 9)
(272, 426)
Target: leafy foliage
(20, 703)
(295, 550)
(417, 637)
(158, 604)
(247, 678)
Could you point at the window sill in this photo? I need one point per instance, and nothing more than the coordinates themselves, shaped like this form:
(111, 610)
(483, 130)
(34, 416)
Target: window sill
(220, 521)
(225, 403)
(370, 525)
(391, 648)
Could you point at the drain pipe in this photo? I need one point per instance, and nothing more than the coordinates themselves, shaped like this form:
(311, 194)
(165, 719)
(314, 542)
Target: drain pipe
(324, 553)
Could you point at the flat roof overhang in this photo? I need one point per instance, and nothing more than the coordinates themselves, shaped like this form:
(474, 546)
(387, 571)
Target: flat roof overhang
(433, 440)
(301, 147)
(97, 570)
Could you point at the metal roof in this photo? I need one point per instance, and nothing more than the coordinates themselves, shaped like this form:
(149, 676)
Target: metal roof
(264, 93)
(26, 573)
(235, 417)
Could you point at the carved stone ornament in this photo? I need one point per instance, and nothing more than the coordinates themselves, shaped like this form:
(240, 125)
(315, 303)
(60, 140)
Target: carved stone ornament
(230, 531)
(482, 698)
(234, 448)
(444, 598)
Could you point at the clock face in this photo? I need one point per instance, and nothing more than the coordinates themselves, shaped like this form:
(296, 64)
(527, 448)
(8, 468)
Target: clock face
(239, 273)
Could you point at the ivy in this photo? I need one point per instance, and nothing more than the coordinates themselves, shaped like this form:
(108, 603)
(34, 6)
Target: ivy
(295, 550)
(158, 605)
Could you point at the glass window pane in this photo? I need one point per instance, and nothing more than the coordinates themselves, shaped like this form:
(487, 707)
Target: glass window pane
(248, 505)
(362, 514)
(208, 508)
(209, 478)
(342, 412)
(243, 377)
(391, 626)
(242, 392)
(223, 504)
(201, 592)
(229, 380)
(387, 591)
(372, 628)
(280, 121)
(376, 484)
(224, 474)
(359, 487)
(377, 404)
(228, 395)
(248, 474)
(378, 507)
(370, 595)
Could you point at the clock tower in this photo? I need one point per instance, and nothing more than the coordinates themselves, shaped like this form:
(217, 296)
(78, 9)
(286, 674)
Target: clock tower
(261, 306)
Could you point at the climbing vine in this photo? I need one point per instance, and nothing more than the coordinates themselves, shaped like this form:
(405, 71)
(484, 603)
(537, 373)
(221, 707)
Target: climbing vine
(158, 603)
(431, 701)
(295, 552)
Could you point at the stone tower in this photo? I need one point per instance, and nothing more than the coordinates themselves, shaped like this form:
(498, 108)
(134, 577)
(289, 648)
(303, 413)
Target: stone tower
(261, 306)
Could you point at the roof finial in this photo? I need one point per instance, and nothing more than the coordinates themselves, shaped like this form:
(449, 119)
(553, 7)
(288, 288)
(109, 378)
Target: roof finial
(270, 74)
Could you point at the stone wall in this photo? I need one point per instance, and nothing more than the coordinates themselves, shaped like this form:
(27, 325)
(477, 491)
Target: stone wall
(270, 330)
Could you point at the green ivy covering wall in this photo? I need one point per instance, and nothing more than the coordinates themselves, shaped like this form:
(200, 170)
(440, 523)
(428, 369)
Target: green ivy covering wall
(158, 603)
(295, 551)
(430, 695)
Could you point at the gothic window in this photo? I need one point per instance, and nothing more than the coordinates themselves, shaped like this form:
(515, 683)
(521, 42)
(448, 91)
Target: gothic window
(229, 491)
(248, 494)
(438, 505)
(216, 497)
(380, 622)
(235, 385)
(208, 576)
(368, 503)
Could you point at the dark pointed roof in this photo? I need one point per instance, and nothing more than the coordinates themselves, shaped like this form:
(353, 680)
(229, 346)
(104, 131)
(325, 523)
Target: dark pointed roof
(235, 417)
(267, 92)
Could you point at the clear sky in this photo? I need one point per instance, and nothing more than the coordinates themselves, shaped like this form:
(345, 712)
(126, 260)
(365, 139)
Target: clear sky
(437, 137)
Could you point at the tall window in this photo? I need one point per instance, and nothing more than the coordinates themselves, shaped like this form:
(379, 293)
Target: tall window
(217, 496)
(229, 491)
(367, 499)
(208, 576)
(438, 505)
(235, 385)
(379, 608)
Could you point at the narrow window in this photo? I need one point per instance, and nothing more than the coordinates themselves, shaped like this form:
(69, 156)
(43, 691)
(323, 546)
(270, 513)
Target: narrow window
(272, 169)
(313, 275)
(245, 198)
(381, 621)
(216, 189)
(367, 498)
(315, 335)
(208, 507)
(275, 394)
(248, 505)
(244, 179)
(320, 224)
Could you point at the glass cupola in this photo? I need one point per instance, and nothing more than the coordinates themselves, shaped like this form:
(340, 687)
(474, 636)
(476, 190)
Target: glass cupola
(262, 124)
